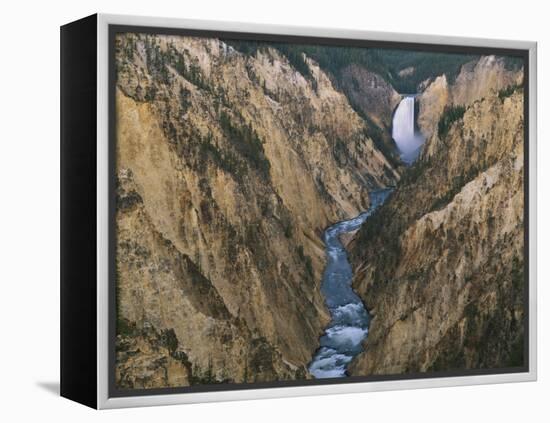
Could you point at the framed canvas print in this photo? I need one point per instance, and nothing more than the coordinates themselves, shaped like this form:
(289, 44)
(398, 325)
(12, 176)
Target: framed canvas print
(253, 211)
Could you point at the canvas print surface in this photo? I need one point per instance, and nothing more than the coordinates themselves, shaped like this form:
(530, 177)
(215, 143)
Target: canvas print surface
(300, 212)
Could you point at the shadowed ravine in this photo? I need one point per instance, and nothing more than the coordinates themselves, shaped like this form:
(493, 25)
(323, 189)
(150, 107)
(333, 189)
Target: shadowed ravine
(343, 337)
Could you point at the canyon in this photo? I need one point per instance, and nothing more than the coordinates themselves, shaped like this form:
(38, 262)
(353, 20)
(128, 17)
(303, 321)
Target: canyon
(229, 167)
(232, 164)
(447, 293)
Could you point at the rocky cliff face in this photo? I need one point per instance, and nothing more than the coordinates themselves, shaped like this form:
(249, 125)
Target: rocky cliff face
(431, 103)
(476, 80)
(375, 99)
(370, 93)
(228, 168)
(440, 266)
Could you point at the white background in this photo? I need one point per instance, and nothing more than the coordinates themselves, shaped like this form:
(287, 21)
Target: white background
(29, 213)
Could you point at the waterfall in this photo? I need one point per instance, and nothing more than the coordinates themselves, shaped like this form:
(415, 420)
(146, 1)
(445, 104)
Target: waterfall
(407, 139)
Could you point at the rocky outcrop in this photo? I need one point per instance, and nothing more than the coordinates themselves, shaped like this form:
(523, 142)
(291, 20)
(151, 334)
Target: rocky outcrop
(476, 80)
(369, 93)
(147, 359)
(375, 99)
(408, 71)
(229, 167)
(440, 265)
(431, 103)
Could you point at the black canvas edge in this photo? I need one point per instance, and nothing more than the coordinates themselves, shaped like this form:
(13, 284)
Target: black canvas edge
(114, 392)
(78, 266)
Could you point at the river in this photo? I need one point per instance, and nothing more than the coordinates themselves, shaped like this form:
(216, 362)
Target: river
(349, 325)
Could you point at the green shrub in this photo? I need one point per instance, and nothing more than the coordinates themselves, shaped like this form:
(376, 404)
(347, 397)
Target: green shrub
(169, 340)
(309, 266)
(185, 101)
(124, 327)
(300, 251)
(247, 142)
(295, 58)
(507, 91)
(450, 115)
(288, 229)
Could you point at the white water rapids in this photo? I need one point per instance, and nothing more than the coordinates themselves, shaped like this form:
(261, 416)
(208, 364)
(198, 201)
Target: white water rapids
(344, 336)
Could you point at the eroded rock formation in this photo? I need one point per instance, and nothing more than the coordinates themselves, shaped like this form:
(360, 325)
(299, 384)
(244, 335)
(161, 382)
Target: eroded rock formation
(229, 166)
(440, 267)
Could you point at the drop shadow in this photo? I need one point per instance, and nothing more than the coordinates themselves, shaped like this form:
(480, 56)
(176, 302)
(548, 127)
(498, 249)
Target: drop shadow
(51, 387)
